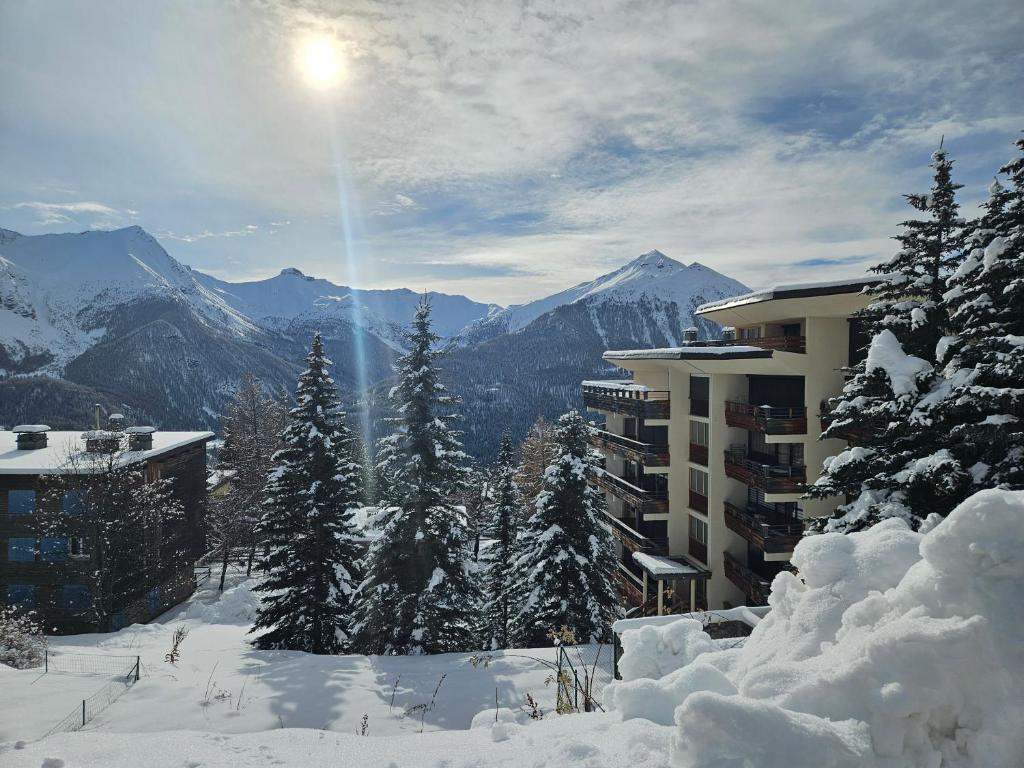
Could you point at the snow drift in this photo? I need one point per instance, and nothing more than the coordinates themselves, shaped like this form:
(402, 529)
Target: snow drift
(892, 648)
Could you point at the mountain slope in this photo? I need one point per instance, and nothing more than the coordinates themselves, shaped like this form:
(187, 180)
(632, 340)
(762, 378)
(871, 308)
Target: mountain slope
(652, 278)
(510, 379)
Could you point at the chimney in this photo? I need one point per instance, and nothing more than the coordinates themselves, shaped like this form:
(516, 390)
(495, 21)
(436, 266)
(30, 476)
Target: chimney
(140, 438)
(115, 422)
(101, 441)
(690, 335)
(728, 333)
(31, 436)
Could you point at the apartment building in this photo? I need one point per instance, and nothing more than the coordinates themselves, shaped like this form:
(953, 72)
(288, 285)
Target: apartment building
(709, 446)
(50, 534)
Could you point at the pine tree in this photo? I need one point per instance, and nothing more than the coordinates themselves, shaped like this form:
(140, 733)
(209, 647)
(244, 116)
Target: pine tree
(420, 593)
(312, 567)
(565, 568)
(979, 401)
(502, 514)
(900, 465)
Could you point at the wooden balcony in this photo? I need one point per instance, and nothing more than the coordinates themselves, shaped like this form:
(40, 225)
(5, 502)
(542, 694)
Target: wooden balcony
(699, 454)
(633, 540)
(768, 420)
(626, 398)
(648, 502)
(630, 587)
(764, 528)
(698, 502)
(648, 454)
(753, 586)
(770, 478)
(698, 549)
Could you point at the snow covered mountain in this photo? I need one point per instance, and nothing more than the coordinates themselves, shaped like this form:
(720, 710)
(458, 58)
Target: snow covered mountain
(652, 282)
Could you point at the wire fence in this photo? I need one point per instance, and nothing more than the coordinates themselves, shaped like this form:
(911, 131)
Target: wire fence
(583, 672)
(125, 671)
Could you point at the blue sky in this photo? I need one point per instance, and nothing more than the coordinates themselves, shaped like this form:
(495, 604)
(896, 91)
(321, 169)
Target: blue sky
(500, 150)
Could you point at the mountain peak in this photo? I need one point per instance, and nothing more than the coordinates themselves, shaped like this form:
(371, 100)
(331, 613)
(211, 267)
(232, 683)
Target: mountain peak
(292, 272)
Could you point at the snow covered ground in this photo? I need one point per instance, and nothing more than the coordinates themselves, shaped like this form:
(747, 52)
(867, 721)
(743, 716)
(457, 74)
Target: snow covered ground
(894, 649)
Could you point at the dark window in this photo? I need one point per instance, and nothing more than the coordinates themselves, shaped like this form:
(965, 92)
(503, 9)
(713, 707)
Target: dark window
(21, 550)
(77, 547)
(54, 550)
(21, 502)
(791, 329)
(859, 341)
(74, 504)
(700, 387)
(21, 596)
(76, 597)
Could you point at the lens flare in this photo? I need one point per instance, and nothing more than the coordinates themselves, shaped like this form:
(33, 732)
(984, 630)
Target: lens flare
(320, 61)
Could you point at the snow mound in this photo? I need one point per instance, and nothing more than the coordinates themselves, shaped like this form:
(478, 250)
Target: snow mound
(892, 649)
(655, 651)
(236, 605)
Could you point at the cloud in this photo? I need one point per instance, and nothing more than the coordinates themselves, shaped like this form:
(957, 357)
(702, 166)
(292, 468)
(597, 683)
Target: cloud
(770, 141)
(100, 215)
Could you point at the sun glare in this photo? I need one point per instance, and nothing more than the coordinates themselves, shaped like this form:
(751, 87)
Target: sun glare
(320, 61)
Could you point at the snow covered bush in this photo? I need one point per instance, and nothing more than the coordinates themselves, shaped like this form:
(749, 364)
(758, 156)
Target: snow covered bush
(892, 648)
(22, 642)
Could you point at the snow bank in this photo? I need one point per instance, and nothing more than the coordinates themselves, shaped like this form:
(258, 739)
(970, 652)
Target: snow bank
(893, 649)
(236, 605)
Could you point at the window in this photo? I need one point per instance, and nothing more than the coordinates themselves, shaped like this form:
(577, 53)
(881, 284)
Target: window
(54, 550)
(76, 597)
(21, 550)
(698, 530)
(698, 482)
(77, 547)
(699, 432)
(21, 596)
(21, 502)
(74, 503)
(751, 333)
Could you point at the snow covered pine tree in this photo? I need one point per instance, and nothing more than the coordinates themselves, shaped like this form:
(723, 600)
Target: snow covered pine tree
(899, 464)
(312, 567)
(979, 401)
(502, 515)
(420, 594)
(565, 569)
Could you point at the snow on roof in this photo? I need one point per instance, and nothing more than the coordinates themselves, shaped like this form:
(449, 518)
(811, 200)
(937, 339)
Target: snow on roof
(686, 353)
(792, 291)
(660, 567)
(31, 428)
(63, 446)
(139, 430)
(625, 384)
(750, 615)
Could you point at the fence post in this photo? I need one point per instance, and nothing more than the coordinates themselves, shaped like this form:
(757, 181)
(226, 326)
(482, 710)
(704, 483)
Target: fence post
(137, 664)
(46, 661)
(83, 713)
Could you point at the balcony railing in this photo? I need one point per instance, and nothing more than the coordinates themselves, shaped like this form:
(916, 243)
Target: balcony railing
(778, 343)
(769, 420)
(767, 530)
(627, 399)
(634, 541)
(649, 454)
(770, 478)
(648, 502)
(698, 501)
(699, 454)
(698, 549)
(754, 587)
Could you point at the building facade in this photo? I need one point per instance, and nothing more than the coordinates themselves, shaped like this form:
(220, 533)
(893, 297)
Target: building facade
(709, 447)
(50, 552)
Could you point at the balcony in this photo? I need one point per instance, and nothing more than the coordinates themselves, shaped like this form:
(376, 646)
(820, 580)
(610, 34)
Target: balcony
(770, 478)
(767, 530)
(698, 501)
(699, 454)
(626, 398)
(796, 344)
(648, 502)
(648, 454)
(766, 419)
(755, 587)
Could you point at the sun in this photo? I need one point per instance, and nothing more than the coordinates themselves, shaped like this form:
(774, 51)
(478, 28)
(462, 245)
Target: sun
(320, 61)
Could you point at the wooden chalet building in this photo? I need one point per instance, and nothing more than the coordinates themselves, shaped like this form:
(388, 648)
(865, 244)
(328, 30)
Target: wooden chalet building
(50, 552)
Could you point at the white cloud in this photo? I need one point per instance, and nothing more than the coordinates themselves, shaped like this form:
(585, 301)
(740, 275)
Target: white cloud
(100, 215)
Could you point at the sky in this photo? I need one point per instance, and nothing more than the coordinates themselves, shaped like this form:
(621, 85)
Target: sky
(502, 150)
